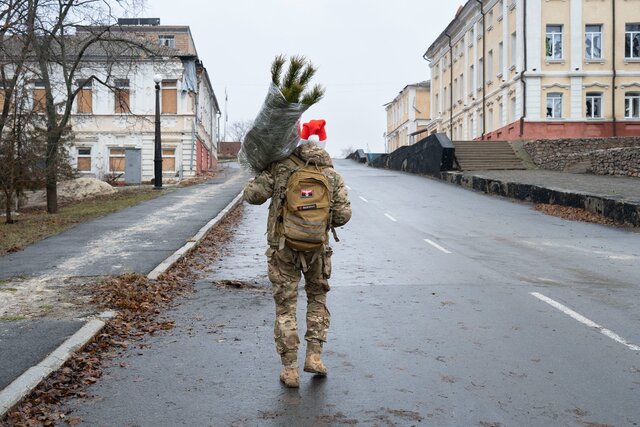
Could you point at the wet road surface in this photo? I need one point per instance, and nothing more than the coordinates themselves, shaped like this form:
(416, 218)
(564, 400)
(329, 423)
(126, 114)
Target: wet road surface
(448, 308)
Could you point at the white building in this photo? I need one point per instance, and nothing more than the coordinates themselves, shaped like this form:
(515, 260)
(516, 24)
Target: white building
(114, 126)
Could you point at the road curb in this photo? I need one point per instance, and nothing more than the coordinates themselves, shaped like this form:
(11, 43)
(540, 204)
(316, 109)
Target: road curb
(25, 383)
(618, 209)
(29, 380)
(191, 243)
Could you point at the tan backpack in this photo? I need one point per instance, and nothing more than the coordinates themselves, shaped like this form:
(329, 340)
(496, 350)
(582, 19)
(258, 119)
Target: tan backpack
(307, 208)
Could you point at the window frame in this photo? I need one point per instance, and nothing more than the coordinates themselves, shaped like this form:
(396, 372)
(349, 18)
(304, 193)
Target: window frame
(169, 85)
(591, 35)
(590, 101)
(629, 111)
(122, 87)
(167, 157)
(117, 156)
(550, 54)
(629, 35)
(80, 155)
(168, 40)
(551, 96)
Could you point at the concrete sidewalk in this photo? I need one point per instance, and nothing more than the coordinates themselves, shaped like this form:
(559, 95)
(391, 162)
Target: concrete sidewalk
(615, 197)
(136, 239)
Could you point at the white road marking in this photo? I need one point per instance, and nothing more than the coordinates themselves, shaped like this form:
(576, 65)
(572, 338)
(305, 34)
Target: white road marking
(590, 323)
(390, 217)
(348, 188)
(437, 246)
(363, 199)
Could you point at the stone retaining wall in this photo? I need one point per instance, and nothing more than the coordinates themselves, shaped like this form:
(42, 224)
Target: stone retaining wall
(600, 156)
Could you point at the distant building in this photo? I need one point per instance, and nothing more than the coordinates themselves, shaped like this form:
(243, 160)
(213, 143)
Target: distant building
(114, 128)
(526, 69)
(229, 149)
(408, 113)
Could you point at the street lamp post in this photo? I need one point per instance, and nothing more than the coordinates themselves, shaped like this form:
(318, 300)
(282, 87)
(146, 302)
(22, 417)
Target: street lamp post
(157, 157)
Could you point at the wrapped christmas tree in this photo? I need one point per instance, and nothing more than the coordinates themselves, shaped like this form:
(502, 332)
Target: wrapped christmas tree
(275, 131)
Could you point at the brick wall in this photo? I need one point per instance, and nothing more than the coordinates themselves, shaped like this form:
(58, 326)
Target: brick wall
(600, 156)
(228, 149)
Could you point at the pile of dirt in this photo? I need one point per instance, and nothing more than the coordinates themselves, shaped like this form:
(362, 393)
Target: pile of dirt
(75, 189)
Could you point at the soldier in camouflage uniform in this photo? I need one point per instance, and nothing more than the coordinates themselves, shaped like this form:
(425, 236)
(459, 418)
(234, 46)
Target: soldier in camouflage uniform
(286, 265)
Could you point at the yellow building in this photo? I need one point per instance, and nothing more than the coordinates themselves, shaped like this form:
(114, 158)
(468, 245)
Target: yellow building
(525, 69)
(408, 114)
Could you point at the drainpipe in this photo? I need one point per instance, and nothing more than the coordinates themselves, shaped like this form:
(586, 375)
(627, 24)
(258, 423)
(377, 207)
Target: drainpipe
(524, 69)
(450, 87)
(613, 84)
(484, 62)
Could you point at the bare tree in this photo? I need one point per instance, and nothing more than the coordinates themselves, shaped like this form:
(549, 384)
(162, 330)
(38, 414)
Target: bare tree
(239, 129)
(345, 152)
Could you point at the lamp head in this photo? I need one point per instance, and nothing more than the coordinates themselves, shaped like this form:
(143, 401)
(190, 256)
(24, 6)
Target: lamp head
(157, 78)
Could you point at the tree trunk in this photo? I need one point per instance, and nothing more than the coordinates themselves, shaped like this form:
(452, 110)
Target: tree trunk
(8, 200)
(52, 176)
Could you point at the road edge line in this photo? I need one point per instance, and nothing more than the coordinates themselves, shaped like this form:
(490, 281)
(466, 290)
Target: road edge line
(191, 243)
(13, 394)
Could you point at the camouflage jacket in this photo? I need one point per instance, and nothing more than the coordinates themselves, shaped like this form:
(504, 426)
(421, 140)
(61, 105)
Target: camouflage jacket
(272, 184)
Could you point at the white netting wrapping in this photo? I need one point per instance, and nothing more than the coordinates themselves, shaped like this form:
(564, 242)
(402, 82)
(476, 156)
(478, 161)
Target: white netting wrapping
(274, 134)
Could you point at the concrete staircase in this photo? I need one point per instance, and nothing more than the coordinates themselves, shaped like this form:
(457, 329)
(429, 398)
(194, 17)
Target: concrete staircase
(486, 155)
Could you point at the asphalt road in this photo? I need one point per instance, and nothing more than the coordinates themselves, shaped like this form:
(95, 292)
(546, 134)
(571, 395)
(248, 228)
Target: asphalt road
(448, 308)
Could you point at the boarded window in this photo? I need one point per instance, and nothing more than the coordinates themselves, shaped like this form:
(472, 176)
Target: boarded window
(168, 160)
(85, 98)
(122, 96)
(84, 159)
(38, 97)
(169, 97)
(116, 160)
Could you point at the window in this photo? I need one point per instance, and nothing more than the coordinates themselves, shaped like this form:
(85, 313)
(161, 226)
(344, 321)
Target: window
(461, 86)
(168, 160)
(122, 96)
(500, 58)
(470, 77)
(632, 105)
(471, 36)
(632, 41)
(167, 40)
(593, 42)
(437, 103)
(39, 102)
(594, 105)
(514, 50)
(554, 42)
(490, 20)
(554, 105)
(490, 118)
(512, 105)
(500, 7)
(500, 114)
(455, 87)
(83, 159)
(169, 97)
(480, 73)
(490, 64)
(116, 160)
(84, 102)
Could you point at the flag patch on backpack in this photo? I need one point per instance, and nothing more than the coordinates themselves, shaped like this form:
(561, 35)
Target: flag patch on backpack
(306, 194)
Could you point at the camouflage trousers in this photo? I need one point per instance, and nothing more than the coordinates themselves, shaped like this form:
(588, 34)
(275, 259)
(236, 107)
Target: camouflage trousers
(285, 269)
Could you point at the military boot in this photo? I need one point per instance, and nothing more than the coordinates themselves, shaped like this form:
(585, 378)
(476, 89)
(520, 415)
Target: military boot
(290, 377)
(312, 361)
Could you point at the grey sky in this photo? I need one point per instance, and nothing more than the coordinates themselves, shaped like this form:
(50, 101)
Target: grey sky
(366, 51)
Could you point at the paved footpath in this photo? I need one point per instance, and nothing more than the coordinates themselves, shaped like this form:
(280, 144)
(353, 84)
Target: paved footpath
(136, 239)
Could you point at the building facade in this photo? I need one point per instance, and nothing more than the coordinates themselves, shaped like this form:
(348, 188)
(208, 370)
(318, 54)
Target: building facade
(407, 114)
(113, 125)
(528, 69)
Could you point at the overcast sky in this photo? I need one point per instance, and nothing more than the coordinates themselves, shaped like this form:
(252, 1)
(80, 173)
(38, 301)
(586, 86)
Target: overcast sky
(366, 51)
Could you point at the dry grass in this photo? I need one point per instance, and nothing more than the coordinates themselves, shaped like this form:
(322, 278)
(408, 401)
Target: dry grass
(35, 224)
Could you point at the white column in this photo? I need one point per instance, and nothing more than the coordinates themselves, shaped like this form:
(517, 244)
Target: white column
(576, 97)
(534, 34)
(534, 95)
(575, 34)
